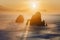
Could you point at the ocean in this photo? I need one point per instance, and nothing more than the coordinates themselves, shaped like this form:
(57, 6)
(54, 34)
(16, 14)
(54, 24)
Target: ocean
(9, 30)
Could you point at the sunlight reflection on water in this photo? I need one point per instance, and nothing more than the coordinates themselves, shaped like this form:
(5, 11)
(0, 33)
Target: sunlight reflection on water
(19, 35)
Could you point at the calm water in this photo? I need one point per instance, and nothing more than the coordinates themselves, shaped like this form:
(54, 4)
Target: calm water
(12, 31)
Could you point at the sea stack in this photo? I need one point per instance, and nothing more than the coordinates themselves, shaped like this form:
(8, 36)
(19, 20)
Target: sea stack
(36, 19)
(20, 19)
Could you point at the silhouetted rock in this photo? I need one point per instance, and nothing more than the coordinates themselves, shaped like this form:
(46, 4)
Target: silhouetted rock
(36, 24)
(36, 19)
(27, 21)
(43, 23)
(20, 19)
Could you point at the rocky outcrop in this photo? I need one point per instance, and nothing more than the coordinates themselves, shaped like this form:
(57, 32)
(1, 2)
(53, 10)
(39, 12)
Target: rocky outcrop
(36, 19)
(43, 23)
(27, 23)
(20, 19)
(36, 24)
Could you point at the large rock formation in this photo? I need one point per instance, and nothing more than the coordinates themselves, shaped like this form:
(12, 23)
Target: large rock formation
(20, 19)
(36, 24)
(36, 19)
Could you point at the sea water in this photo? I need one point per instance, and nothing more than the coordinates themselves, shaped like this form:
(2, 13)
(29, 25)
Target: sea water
(9, 30)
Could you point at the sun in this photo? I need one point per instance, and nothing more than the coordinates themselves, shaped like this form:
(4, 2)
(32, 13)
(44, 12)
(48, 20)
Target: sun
(34, 5)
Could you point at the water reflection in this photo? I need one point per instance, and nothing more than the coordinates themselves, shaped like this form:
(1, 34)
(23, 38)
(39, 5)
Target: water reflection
(49, 33)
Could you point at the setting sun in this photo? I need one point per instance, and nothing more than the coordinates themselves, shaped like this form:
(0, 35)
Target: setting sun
(33, 6)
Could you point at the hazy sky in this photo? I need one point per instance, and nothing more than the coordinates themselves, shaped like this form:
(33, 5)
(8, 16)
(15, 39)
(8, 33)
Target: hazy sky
(25, 5)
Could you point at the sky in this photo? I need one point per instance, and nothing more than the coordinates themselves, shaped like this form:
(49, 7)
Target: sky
(27, 5)
(14, 7)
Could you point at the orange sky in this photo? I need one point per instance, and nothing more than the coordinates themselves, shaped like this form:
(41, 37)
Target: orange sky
(24, 5)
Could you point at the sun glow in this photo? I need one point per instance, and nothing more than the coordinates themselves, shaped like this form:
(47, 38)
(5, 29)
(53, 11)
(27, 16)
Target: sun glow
(33, 6)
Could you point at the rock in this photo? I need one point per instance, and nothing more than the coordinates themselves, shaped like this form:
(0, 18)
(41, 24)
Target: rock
(20, 19)
(27, 21)
(36, 19)
(43, 23)
(36, 24)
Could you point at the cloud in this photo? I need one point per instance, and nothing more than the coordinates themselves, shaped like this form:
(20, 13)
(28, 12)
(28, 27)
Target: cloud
(3, 8)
